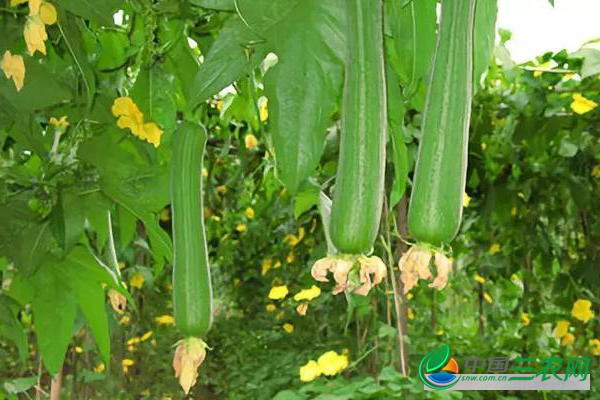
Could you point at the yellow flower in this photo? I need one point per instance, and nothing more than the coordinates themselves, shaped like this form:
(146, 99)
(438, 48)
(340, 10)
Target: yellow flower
(277, 264)
(308, 294)
(241, 228)
(292, 239)
(410, 314)
(204, 172)
(409, 296)
(146, 336)
(100, 368)
(222, 189)
(596, 171)
(126, 363)
(165, 215)
(466, 200)
(595, 347)
(483, 146)
(14, 68)
(289, 328)
(133, 341)
(479, 279)
(266, 266)
(125, 320)
(494, 248)
(525, 319)
(189, 356)
(62, 123)
(35, 34)
(561, 329)
(582, 310)
(302, 309)
(513, 212)
(137, 280)
(271, 307)
(290, 258)
(165, 320)
(250, 141)
(278, 292)
(47, 13)
(543, 67)
(487, 297)
(581, 105)
(249, 213)
(130, 117)
(78, 349)
(263, 109)
(310, 371)
(567, 339)
(331, 363)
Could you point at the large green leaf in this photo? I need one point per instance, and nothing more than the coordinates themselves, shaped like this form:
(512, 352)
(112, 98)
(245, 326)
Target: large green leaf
(236, 51)
(153, 93)
(410, 40)
(305, 84)
(484, 37)
(97, 11)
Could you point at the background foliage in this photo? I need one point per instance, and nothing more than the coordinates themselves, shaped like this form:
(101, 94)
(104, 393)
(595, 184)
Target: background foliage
(85, 206)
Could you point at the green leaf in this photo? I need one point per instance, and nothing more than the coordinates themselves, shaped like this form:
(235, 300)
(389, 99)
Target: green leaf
(221, 5)
(53, 308)
(20, 385)
(235, 52)
(288, 395)
(567, 148)
(41, 89)
(113, 49)
(484, 37)
(97, 11)
(71, 31)
(437, 358)
(591, 61)
(307, 198)
(410, 40)
(304, 86)
(10, 327)
(153, 93)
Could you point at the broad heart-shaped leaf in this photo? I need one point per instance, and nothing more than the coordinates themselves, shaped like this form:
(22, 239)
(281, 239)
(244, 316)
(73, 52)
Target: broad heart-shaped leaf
(308, 37)
(235, 52)
(437, 358)
(484, 37)
(70, 30)
(410, 40)
(97, 11)
(54, 309)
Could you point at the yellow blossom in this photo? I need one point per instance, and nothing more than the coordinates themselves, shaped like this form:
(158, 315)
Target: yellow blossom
(62, 123)
(250, 141)
(567, 339)
(266, 266)
(331, 363)
(466, 200)
(137, 280)
(525, 319)
(249, 213)
(278, 292)
(222, 189)
(47, 13)
(130, 117)
(290, 258)
(271, 307)
(410, 314)
(100, 368)
(582, 310)
(487, 297)
(561, 328)
(204, 172)
(289, 328)
(277, 264)
(596, 171)
(302, 309)
(133, 341)
(581, 105)
(164, 320)
(127, 362)
(35, 34)
(409, 296)
(241, 228)
(78, 349)
(146, 336)
(494, 248)
(310, 371)
(165, 215)
(125, 320)
(308, 294)
(479, 279)
(513, 212)
(14, 68)
(595, 347)
(543, 67)
(263, 109)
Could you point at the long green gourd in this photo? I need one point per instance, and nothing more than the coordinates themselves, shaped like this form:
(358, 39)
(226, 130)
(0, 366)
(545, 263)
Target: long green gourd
(192, 293)
(436, 202)
(359, 187)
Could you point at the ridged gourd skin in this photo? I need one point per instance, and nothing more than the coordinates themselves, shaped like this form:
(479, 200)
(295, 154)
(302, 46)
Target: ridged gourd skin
(192, 292)
(436, 202)
(359, 186)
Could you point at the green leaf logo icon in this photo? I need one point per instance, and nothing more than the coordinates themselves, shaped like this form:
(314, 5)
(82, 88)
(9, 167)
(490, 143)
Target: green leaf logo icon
(437, 358)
